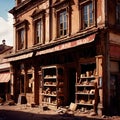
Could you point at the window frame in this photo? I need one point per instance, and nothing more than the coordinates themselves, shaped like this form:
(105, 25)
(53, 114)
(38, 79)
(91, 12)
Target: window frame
(22, 25)
(81, 13)
(38, 32)
(59, 6)
(21, 38)
(38, 15)
(61, 23)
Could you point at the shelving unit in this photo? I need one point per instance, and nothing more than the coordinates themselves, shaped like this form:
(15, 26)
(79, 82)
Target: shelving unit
(86, 88)
(53, 82)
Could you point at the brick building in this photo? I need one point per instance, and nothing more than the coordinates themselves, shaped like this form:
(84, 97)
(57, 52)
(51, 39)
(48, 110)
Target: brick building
(75, 39)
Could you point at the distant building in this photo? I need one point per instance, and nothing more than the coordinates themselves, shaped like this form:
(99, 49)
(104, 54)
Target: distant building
(5, 70)
(78, 40)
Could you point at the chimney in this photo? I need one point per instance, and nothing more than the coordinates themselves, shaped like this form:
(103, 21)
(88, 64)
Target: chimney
(3, 41)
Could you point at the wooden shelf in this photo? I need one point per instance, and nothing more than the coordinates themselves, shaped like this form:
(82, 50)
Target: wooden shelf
(90, 77)
(81, 93)
(86, 86)
(49, 103)
(49, 85)
(49, 95)
(85, 104)
(80, 85)
(52, 78)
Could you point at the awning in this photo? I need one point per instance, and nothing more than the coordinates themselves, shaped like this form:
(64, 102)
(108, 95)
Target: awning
(68, 45)
(4, 77)
(20, 57)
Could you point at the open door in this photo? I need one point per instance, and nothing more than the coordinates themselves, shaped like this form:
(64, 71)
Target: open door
(114, 94)
(72, 79)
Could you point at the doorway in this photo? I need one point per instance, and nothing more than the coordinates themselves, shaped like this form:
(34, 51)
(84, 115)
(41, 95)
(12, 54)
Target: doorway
(72, 80)
(114, 94)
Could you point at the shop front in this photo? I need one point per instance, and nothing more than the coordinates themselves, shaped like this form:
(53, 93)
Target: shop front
(61, 74)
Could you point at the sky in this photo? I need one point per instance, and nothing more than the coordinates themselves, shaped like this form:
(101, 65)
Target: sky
(6, 21)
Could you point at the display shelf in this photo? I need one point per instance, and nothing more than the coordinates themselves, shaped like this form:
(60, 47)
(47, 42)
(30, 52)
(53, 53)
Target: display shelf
(86, 86)
(82, 93)
(53, 83)
(85, 104)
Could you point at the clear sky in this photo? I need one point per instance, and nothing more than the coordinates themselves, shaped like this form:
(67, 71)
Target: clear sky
(6, 21)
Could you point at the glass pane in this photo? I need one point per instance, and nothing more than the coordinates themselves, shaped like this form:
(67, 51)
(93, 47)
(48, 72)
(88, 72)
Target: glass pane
(38, 31)
(91, 14)
(65, 25)
(21, 35)
(85, 17)
(65, 32)
(62, 22)
(61, 26)
(65, 16)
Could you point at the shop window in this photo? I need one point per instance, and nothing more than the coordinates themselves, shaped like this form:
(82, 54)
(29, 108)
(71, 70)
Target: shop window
(62, 23)
(87, 14)
(118, 13)
(38, 26)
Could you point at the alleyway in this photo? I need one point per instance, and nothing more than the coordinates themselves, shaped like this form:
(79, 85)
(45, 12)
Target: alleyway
(27, 113)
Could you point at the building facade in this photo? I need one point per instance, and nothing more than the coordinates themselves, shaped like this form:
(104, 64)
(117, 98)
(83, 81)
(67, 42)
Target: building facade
(79, 36)
(4, 71)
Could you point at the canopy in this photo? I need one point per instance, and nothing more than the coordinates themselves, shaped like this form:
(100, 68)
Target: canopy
(4, 77)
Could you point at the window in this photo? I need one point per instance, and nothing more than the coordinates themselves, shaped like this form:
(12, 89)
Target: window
(118, 13)
(87, 15)
(21, 38)
(62, 10)
(62, 23)
(38, 26)
(38, 31)
(21, 34)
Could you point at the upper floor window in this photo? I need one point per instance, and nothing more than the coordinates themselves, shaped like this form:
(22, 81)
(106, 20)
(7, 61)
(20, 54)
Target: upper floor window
(118, 13)
(62, 23)
(21, 38)
(21, 34)
(38, 26)
(87, 14)
(62, 15)
(38, 31)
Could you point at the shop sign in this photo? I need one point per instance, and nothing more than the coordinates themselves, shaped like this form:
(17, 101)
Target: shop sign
(68, 45)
